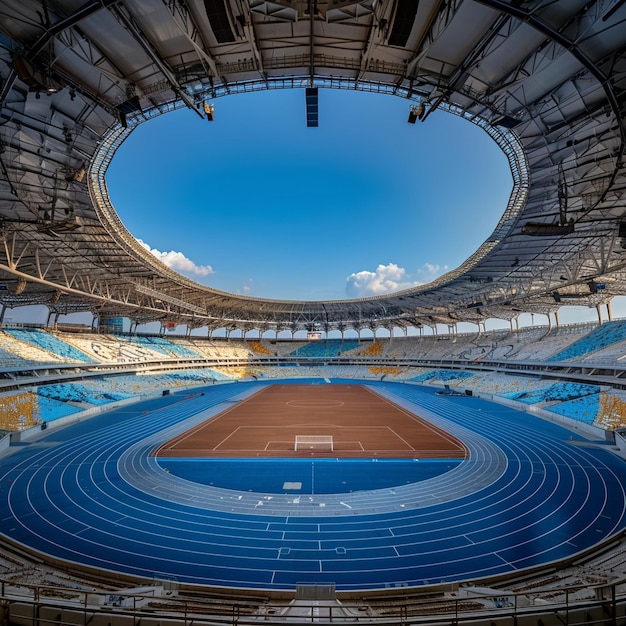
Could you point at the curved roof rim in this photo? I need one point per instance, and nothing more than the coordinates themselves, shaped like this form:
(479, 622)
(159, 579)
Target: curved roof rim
(505, 138)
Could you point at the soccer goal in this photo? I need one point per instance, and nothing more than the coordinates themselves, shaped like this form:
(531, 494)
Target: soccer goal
(318, 443)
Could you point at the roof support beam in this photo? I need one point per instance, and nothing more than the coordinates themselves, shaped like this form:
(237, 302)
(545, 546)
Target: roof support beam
(183, 18)
(532, 19)
(150, 50)
(53, 30)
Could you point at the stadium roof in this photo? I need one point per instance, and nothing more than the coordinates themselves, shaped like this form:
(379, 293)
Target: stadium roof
(546, 80)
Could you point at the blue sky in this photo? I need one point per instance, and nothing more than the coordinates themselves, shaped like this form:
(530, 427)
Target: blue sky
(256, 203)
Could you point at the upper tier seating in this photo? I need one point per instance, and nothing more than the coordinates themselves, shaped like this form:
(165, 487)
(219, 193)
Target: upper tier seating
(599, 338)
(163, 346)
(48, 342)
(108, 348)
(540, 343)
(535, 344)
(376, 348)
(615, 354)
(231, 349)
(23, 353)
(9, 360)
(327, 348)
(173, 348)
(259, 347)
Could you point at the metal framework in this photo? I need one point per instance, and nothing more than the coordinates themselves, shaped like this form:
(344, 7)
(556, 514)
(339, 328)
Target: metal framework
(546, 80)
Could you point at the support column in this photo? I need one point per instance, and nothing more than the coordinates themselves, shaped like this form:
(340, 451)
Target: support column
(556, 318)
(2, 311)
(609, 311)
(599, 311)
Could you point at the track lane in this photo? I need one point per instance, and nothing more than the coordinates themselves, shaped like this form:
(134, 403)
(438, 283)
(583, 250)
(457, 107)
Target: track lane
(526, 495)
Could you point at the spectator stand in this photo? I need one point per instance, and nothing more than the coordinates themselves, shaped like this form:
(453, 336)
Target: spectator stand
(598, 339)
(49, 343)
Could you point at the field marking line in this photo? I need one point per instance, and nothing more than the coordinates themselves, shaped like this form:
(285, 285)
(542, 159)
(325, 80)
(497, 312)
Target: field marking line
(409, 446)
(232, 432)
(440, 432)
(172, 444)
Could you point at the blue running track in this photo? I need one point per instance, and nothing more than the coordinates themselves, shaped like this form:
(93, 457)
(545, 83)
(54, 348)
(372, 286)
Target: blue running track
(529, 493)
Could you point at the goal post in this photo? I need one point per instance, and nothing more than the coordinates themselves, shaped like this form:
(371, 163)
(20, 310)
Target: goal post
(318, 443)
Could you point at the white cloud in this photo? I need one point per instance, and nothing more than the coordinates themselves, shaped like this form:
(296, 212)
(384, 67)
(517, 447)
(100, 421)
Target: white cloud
(428, 272)
(178, 261)
(247, 287)
(389, 279)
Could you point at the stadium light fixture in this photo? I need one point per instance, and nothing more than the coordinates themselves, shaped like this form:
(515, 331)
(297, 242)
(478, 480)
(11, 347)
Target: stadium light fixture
(547, 230)
(416, 112)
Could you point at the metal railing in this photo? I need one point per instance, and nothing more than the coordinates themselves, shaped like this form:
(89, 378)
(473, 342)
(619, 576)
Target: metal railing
(35, 605)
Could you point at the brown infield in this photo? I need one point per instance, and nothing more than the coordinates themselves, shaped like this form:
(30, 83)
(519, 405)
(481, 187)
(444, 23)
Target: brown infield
(362, 424)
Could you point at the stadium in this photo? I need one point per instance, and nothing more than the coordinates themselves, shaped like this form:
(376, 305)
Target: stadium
(290, 461)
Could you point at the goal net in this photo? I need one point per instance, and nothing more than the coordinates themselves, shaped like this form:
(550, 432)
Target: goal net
(314, 442)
